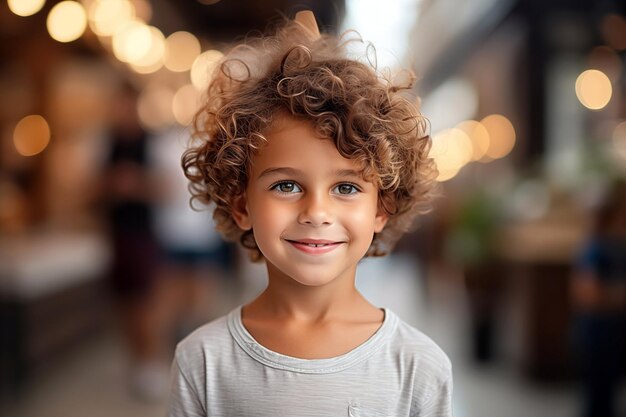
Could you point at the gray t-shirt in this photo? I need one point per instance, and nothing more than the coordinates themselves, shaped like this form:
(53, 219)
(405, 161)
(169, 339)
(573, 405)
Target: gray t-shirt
(221, 370)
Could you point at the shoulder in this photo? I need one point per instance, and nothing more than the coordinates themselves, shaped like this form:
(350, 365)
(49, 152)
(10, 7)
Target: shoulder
(429, 370)
(203, 343)
(425, 356)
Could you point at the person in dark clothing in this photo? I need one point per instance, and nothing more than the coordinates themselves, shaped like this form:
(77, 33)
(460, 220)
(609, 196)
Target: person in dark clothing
(130, 190)
(599, 300)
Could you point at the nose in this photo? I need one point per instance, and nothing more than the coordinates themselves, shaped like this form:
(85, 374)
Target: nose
(316, 210)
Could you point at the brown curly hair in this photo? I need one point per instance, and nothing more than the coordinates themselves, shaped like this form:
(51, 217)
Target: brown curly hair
(315, 80)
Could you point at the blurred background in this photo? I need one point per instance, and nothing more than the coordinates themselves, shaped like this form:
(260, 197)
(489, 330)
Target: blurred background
(519, 273)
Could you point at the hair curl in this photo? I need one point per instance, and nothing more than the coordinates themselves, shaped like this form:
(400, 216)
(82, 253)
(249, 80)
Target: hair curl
(345, 99)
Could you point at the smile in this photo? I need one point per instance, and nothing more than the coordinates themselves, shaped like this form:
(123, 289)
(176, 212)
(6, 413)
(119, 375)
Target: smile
(314, 247)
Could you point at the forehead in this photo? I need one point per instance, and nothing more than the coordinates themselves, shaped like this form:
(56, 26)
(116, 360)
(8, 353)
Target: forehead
(294, 143)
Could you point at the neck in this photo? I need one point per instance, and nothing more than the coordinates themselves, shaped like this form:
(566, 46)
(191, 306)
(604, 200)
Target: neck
(287, 299)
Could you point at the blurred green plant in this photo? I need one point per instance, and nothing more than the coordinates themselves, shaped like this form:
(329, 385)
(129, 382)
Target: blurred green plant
(471, 237)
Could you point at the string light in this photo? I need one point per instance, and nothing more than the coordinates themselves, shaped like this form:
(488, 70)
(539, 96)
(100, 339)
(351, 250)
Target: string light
(155, 107)
(182, 49)
(202, 68)
(31, 135)
(25, 7)
(479, 137)
(152, 60)
(501, 135)
(67, 21)
(593, 89)
(132, 42)
(185, 104)
(451, 150)
(108, 16)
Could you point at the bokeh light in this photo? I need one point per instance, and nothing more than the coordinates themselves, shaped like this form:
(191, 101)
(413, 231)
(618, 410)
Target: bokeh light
(202, 68)
(619, 139)
(153, 60)
(143, 10)
(108, 16)
(132, 42)
(185, 104)
(593, 89)
(154, 107)
(451, 150)
(31, 135)
(67, 21)
(479, 137)
(182, 49)
(25, 7)
(501, 135)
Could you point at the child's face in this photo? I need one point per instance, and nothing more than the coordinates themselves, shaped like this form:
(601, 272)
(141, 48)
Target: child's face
(312, 213)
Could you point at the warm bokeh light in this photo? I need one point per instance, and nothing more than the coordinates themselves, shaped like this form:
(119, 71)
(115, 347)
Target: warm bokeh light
(182, 49)
(108, 16)
(501, 135)
(478, 135)
(155, 107)
(593, 89)
(132, 42)
(451, 150)
(153, 60)
(143, 10)
(185, 104)
(613, 30)
(619, 139)
(31, 135)
(25, 7)
(67, 21)
(202, 68)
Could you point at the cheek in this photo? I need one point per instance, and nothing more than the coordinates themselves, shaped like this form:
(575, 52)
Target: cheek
(268, 215)
(361, 219)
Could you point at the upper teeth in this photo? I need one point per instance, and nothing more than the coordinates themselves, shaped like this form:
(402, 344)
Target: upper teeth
(316, 245)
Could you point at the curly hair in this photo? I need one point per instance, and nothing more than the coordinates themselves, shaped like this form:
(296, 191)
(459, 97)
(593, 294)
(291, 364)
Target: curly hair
(346, 100)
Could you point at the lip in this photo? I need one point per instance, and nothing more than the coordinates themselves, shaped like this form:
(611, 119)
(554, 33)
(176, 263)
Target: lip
(303, 245)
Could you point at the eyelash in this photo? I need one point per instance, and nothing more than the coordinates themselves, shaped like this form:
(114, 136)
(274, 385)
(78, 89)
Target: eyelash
(275, 187)
(355, 188)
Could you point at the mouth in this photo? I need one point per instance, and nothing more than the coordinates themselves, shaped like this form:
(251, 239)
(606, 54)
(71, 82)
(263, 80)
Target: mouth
(314, 246)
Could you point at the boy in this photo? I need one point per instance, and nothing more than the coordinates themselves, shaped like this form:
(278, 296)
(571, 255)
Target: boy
(313, 162)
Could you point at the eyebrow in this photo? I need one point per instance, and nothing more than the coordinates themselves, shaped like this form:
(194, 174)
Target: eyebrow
(292, 171)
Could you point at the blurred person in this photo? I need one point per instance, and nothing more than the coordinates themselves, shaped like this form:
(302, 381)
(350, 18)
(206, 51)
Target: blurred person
(313, 162)
(130, 190)
(196, 259)
(599, 301)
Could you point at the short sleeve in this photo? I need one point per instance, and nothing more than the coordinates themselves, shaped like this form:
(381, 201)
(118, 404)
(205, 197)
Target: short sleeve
(183, 400)
(439, 404)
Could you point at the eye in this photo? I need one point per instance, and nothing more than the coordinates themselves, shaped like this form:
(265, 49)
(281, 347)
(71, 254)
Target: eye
(346, 189)
(286, 187)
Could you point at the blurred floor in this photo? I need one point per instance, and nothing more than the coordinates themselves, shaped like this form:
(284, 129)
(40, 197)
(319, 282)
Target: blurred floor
(92, 381)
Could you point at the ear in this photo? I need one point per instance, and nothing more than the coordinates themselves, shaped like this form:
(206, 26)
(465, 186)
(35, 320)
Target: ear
(380, 220)
(381, 215)
(240, 212)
